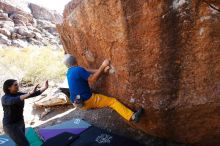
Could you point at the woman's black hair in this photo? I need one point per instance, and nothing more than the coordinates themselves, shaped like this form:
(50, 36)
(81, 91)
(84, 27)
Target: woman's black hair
(8, 83)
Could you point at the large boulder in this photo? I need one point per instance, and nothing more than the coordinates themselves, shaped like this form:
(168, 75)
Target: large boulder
(165, 56)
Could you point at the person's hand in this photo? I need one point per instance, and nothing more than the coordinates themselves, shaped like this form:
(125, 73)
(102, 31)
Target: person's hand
(35, 89)
(105, 63)
(46, 85)
(78, 103)
(107, 68)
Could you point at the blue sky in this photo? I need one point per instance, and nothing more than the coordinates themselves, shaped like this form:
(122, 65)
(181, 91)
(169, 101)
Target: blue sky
(51, 4)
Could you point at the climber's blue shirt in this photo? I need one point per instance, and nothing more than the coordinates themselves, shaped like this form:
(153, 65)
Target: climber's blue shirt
(78, 83)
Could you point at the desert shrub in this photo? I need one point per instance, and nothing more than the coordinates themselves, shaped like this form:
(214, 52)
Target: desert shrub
(32, 64)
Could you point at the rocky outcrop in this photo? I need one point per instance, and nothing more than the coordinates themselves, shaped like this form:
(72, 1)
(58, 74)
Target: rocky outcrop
(23, 24)
(165, 57)
(39, 12)
(16, 10)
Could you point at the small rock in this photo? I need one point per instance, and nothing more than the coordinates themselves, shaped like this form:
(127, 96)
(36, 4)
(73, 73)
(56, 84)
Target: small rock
(17, 36)
(31, 35)
(51, 30)
(20, 36)
(28, 24)
(13, 36)
(19, 19)
(34, 42)
(22, 30)
(53, 42)
(38, 36)
(3, 16)
(4, 40)
(33, 29)
(45, 24)
(6, 24)
(19, 43)
(5, 32)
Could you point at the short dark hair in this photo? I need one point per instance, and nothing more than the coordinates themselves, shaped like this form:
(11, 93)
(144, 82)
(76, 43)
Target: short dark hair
(8, 83)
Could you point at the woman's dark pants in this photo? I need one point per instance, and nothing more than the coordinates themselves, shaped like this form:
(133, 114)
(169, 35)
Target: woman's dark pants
(17, 132)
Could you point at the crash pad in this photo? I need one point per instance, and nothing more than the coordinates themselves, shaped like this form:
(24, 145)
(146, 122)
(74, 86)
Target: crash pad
(49, 133)
(74, 123)
(6, 141)
(74, 126)
(63, 139)
(32, 137)
(94, 136)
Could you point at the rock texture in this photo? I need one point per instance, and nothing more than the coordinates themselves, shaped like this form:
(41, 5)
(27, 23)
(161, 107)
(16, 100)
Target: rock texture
(23, 24)
(165, 55)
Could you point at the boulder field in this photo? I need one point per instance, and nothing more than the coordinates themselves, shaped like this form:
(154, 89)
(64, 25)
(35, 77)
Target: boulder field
(23, 24)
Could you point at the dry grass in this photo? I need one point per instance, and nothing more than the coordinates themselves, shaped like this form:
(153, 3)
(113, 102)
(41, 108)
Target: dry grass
(32, 64)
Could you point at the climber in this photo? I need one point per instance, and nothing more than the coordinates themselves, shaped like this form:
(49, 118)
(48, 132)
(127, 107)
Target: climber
(80, 80)
(13, 105)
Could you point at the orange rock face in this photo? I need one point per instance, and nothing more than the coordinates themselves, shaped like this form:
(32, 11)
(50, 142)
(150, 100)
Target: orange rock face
(166, 58)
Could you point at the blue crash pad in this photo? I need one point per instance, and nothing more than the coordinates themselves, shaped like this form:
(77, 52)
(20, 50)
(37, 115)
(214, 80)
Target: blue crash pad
(6, 141)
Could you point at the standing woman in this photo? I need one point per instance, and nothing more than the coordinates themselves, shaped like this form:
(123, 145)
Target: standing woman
(13, 105)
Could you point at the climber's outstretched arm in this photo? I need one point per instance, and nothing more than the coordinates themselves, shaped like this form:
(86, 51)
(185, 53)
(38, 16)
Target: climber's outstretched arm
(95, 76)
(92, 70)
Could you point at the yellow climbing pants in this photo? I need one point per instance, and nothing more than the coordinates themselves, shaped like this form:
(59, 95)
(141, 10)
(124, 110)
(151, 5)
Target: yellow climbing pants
(101, 101)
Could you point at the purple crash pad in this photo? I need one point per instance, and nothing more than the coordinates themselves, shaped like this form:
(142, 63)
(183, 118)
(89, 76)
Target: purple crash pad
(49, 133)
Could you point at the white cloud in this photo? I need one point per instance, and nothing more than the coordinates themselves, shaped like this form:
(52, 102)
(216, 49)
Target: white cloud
(51, 4)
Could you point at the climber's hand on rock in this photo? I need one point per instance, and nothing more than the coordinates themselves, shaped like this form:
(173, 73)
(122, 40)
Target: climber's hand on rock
(105, 63)
(107, 68)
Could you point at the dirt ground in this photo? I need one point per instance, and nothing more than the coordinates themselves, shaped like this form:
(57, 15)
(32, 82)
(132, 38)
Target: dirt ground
(103, 118)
